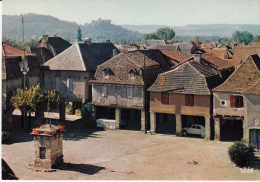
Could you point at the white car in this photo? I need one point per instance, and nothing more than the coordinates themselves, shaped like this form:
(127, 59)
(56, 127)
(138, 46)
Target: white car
(195, 129)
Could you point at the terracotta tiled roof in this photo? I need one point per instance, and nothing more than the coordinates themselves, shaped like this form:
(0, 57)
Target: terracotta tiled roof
(242, 53)
(253, 90)
(120, 65)
(176, 55)
(234, 62)
(246, 75)
(255, 44)
(10, 51)
(188, 78)
(82, 57)
(217, 52)
(219, 63)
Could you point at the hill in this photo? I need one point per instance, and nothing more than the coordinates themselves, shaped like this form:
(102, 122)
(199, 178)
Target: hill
(222, 30)
(39, 25)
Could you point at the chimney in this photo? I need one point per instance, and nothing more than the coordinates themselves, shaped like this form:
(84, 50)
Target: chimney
(196, 57)
(45, 41)
(114, 52)
(87, 41)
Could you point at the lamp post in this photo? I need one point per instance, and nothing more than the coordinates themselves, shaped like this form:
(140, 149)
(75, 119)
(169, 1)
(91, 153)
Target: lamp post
(24, 68)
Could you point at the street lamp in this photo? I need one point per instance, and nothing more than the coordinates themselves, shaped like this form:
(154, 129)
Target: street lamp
(24, 64)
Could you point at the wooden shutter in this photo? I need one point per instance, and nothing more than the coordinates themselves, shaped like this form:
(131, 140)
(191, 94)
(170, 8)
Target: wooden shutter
(71, 85)
(232, 101)
(164, 98)
(191, 100)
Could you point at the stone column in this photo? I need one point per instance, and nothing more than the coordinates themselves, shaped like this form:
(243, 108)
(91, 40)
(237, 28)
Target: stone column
(143, 121)
(118, 117)
(62, 110)
(152, 122)
(178, 125)
(217, 129)
(245, 132)
(207, 127)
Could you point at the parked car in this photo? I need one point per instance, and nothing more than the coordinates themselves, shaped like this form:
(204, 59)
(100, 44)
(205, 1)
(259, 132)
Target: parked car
(5, 135)
(195, 129)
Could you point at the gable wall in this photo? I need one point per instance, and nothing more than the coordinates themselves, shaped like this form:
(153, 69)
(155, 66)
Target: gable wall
(177, 104)
(81, 88)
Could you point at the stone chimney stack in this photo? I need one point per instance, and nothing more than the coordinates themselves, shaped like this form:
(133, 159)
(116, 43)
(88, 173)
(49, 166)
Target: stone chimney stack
(196, 57)
(114, 52)
(45, 41)
(87, 41)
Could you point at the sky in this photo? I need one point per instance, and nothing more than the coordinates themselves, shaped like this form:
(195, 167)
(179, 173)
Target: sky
(142, 12)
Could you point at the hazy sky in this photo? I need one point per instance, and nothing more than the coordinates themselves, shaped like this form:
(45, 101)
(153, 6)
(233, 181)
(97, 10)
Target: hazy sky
(142, 12)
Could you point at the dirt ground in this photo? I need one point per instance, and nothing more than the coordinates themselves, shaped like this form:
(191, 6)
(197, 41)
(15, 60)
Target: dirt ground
(127, 155)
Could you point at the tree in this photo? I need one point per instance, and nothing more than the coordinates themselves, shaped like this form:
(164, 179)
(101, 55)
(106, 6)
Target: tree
(195, 39)
(33, 99)
(165, 33)
(79, 34)
(257, 38)
(151, 36)
(242, 37)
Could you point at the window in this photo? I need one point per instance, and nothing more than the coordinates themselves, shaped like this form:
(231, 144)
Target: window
(236, 101)
(249, 81)
(70, 85)
(104, 90)
(189, 100)
(165, 98)
(222, 103)
(42, 152)
(129, 92)
(106, 73)
(132, 73)
(56, 83)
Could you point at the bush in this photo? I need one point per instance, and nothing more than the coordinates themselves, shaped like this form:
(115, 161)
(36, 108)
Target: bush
(238, 153)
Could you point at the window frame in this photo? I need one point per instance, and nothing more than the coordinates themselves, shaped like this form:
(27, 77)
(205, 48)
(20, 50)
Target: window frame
(56, 83)
(165, 98)
(104, 90)
(189, 100)
(70, 85)
(130, 92)
(236, 101)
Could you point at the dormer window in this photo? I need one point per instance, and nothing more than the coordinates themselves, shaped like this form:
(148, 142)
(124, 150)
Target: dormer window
(249, 81)
(132, 73)
(106, 72)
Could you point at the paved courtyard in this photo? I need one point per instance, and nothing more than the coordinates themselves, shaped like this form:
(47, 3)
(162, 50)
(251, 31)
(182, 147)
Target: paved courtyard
(127, 155)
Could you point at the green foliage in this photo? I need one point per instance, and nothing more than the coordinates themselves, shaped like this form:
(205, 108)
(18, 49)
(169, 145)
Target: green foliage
(238, 153)
(21, 45)
(242, 37)
(79, 34)
(195, 39)
(34, 99)
(151, 36)
(257, 38)
(165, 33)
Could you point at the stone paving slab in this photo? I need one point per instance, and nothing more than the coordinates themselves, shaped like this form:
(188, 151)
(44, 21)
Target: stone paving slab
(128, 155)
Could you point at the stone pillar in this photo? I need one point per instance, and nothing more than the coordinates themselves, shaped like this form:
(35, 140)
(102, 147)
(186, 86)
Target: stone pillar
(217, 129)
(245, 132)
(178, 125)
(152, 122)
(83, 112)
(118, 117)
(62, 110)
(143, 121)
(207, 127)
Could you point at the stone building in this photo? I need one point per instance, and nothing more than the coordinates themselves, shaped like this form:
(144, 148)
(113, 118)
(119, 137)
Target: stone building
(182, 97)
(236, 102)
(69, 72)
(48, 47)
(13, 78)
(119, 90)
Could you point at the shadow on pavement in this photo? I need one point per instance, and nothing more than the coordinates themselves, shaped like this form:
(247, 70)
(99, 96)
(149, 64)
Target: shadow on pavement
(81, 168)
(74, 130)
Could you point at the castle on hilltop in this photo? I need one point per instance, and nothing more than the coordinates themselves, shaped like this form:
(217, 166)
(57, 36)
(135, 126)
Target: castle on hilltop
(99, 21)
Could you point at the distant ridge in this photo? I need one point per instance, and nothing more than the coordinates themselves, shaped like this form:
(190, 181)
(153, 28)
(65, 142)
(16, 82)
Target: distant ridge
(222, 30)
(35, 24)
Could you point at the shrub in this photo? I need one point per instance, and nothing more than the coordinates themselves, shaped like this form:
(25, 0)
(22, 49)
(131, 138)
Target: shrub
(238, 153)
